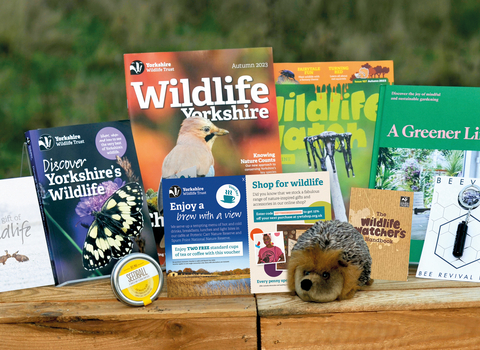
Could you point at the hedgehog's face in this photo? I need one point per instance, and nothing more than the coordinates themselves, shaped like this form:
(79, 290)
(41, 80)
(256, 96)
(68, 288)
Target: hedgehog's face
(322, 275)
(317, 285)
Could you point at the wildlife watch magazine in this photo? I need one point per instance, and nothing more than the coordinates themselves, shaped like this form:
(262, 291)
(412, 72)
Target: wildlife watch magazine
(326, 114)
(91, 197)
(202, 113)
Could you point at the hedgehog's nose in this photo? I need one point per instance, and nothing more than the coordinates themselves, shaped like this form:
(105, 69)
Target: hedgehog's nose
(306, 285)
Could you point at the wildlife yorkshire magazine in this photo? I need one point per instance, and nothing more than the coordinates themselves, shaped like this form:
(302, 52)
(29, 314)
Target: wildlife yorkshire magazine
(91, 197)
(232, 90)
(202, 113)
(24, 258)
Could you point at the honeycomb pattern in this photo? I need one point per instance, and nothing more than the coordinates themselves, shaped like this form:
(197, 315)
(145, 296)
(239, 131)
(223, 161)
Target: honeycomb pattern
(445, 221)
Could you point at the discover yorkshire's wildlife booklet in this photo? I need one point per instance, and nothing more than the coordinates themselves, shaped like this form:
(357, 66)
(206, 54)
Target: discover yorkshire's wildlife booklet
(326, 114)
(202, 113)
(24, 258)
(91, 197)
(452, 242)
(222, 234)
(384, 218)
(423, 132)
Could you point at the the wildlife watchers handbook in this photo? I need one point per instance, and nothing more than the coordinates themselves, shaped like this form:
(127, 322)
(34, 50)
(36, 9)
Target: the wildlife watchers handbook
(91, 197)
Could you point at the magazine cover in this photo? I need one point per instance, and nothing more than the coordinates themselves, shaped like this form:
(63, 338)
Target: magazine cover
(24, 258)
(423, 132)
(91, 197)
(202, 113)
(326, 114)
(384, 218)
(452, 244)
(222, 234)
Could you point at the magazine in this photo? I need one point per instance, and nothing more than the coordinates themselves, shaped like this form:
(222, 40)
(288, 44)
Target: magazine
(202, 113)
(327, 113)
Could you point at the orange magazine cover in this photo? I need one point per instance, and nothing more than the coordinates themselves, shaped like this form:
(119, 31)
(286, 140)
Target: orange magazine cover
(212, 112)
(327, 113)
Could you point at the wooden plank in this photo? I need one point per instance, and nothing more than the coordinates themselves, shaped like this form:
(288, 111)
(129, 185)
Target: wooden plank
(399, 300)
(89, 290)
(87, 314)
(65, 311)
(424, 329)
(417, 314)
(418, 283)
(146, 333)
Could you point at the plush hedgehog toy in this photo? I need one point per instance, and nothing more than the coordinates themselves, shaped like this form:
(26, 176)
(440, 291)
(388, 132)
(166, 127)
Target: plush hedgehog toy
(330, 261)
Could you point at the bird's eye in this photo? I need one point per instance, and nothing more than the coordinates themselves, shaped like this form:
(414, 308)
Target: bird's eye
(325, 275)
(306, 273)
(206, 128)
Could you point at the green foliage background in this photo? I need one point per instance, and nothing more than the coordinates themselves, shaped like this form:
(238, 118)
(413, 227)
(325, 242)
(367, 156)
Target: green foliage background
(61, 61)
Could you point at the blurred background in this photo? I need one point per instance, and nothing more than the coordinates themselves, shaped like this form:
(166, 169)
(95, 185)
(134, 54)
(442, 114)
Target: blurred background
(61, 61)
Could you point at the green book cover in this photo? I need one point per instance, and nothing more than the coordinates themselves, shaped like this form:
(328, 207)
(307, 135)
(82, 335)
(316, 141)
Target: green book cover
(422, 132)
(326, 114)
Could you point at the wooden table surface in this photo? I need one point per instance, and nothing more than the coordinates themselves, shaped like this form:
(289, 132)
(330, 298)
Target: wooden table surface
(417, 314)
(88, 316)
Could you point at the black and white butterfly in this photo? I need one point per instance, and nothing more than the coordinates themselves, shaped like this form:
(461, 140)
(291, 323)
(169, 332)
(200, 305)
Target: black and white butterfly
(119, 220)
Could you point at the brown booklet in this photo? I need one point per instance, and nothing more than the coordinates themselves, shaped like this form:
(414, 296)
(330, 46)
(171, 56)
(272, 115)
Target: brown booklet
(384, 218)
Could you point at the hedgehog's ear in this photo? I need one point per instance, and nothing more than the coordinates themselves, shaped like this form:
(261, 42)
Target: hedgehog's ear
(342, 263)
(293, 263)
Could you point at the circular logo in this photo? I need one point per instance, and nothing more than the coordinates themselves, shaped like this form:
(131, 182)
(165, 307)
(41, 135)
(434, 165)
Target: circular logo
(45, 142)
(228, 196)
(136, 67)
(110, 143)
(174, 191)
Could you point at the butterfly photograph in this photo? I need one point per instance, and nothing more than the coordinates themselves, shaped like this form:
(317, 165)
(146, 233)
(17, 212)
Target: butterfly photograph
(118, 221)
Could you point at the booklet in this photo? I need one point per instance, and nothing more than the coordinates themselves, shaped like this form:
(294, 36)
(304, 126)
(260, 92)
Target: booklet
(384, 218)
(91, 197)
(24, 258)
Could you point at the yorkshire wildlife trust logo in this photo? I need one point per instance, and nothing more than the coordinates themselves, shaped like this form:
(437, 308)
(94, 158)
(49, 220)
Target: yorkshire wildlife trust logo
(45, 142)
(174, 191)
(136, 67)
(404, 201)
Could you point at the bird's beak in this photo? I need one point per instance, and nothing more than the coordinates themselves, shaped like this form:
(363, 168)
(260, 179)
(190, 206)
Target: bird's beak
(221, 132)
